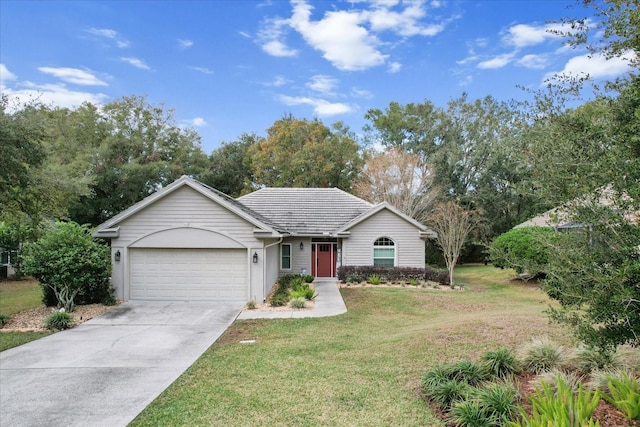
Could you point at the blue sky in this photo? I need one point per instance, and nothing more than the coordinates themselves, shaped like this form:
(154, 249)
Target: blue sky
(229, 67)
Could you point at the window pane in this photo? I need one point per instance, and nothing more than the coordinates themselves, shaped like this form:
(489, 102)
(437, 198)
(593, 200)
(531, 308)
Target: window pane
(383, 253)
(383, 262)
(286, 257)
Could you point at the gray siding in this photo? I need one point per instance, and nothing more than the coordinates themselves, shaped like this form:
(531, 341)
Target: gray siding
(273, 266)
(185, 207)
(358, 248)
(299, 258)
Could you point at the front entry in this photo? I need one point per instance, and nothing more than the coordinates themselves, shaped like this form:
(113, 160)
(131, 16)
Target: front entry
(324, 257)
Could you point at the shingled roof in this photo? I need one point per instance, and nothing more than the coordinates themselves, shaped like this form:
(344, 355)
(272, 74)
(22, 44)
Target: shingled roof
(306, 211)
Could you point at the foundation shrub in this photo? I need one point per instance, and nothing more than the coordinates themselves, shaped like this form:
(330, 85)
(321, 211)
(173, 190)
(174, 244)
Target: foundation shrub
(360, 273)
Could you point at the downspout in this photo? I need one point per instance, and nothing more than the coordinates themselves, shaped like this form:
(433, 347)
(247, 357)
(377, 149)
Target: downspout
(264, 268)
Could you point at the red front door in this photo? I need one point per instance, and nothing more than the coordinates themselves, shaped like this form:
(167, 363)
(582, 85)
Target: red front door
(324, 260)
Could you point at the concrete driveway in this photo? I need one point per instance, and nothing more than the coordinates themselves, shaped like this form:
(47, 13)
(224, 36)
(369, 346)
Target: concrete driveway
(107, 370)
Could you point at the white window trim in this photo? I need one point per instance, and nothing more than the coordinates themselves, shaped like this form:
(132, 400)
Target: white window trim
(290, 256)
(395, 250)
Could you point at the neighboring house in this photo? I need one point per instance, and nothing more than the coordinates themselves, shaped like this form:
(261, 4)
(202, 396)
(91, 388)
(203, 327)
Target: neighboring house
(560, 219)
(7, 258)
(189, 241)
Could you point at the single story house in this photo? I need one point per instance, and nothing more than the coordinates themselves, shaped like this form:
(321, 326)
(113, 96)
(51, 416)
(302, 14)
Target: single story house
(188, 241)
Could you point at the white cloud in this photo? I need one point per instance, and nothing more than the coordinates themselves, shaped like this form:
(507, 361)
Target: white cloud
(596, 67)
(323, 84)
(73, 75)
(277, 81)
(108, 33)
(361, 93)
(138, 63)
(321, 107)
(340, 36)
(185, 44)
(203, 70)
(523, 35)
(198, 122)
(533, 61)
(5, 74)
(270, 38)
(244, 34)
(104, 32)
(54, 94)
(405, 23)
(496, 62)
(394, 67)
(466, 81)
(277, 48)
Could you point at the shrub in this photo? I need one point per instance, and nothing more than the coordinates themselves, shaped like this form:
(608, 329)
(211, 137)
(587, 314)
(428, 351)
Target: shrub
(561, 407)
(499, 402)
(374, 279)
(587, 359)
(4, 319)
(449, 392)
(360, 273)
(413, 282)
(466, 371)
(553, 377)
(543, 355)
(298, 302)
(500, 363)
(251, 305)
(469, 413)
(434, 377)
(309, 278)
(279, 300)
(69, 263)
(59, 320)
(522, 249)
(623, 394)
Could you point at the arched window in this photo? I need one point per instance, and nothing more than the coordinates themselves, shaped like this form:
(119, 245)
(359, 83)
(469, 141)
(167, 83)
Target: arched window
(384, 252)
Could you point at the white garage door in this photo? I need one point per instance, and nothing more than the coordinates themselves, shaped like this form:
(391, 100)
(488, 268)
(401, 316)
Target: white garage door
(188, 274)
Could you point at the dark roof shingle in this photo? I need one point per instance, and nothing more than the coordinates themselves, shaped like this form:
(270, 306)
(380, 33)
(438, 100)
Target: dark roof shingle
(309, 211)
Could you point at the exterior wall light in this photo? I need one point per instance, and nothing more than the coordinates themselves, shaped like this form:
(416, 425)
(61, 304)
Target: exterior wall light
(116, 256)
(255, 257)
(301, 245)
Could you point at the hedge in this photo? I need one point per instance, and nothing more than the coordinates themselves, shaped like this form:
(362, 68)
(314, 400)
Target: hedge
(360, 273)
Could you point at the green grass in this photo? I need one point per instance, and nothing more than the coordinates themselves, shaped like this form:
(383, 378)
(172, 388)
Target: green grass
(360, 368)
(16, 296)
(13, 339)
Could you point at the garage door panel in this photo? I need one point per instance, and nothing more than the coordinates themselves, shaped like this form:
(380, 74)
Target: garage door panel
(188, 274)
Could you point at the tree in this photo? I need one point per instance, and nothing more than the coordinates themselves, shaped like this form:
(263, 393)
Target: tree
(229, 170)
(594, 172)
(523, 249)
(453, 224)
(471, 148)
(399, 178)
(302, 153)
(23, 155)
(140, 150)
(67, 261)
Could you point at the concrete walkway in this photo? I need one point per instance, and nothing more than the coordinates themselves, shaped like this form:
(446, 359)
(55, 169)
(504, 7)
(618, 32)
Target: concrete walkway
(329, 302)
(107, 370)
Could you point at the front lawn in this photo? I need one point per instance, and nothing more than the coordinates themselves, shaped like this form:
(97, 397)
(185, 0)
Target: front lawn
(360, 368)
(19, 295)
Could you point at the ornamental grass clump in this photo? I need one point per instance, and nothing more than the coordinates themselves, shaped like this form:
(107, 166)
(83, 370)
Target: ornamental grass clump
(500, 363)
(59, 320)
(587, 359)
(542, 355)
(499, 402)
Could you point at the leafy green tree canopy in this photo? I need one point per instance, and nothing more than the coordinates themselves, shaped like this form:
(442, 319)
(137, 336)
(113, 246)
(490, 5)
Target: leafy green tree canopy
(303, 153)
(67, 261)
